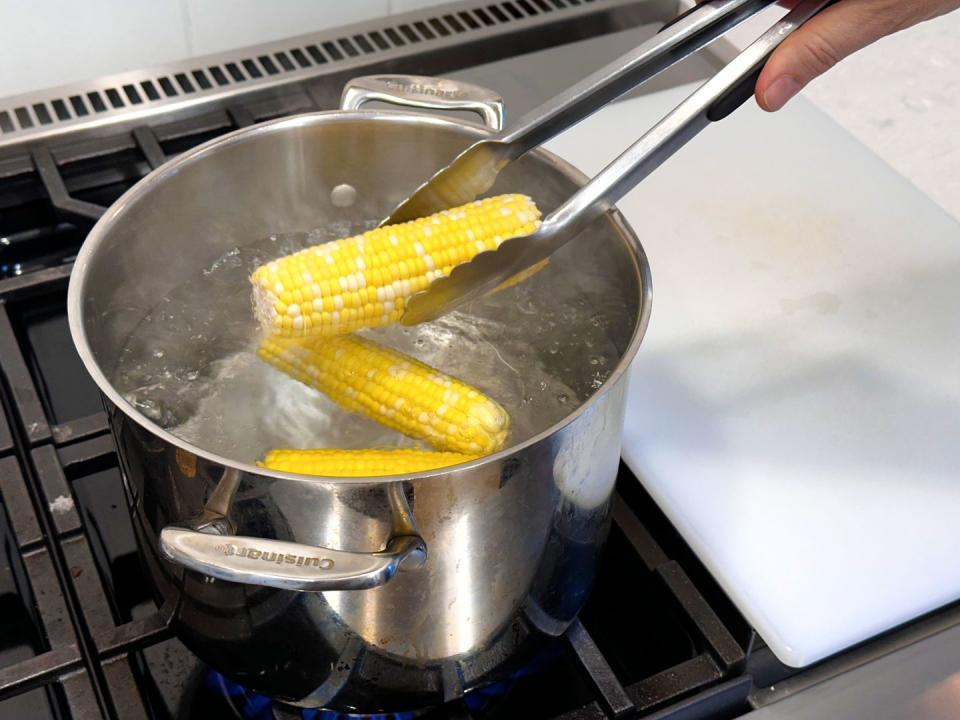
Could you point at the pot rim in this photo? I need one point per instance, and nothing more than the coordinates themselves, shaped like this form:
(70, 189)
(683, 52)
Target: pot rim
(79, 276)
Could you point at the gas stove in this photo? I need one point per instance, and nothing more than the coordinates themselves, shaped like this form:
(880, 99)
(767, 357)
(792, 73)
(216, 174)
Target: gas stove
(82, 637)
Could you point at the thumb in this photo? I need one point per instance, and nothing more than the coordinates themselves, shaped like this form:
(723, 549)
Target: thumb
(821, 43)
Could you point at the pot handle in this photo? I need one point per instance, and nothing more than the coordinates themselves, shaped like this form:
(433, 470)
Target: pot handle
(425, 92)
(287, 565)
(210, 550)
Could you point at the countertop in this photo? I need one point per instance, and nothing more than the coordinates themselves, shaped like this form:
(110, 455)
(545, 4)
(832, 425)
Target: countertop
(917, 682)
(900, 97)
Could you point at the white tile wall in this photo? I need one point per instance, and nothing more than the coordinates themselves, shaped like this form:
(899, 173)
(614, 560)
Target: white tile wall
(215, 25)
(399, 6)
(901, 98)
(52, 42)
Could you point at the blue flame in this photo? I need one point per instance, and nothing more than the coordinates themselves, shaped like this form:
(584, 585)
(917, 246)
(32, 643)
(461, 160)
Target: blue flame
(331, 715)
(477, 700)
(253, 706)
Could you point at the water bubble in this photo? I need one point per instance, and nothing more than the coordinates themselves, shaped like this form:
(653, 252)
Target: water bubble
(512, 348)
(343, 195)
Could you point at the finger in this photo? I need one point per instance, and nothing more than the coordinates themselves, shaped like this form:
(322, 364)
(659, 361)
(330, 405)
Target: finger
(822, 42)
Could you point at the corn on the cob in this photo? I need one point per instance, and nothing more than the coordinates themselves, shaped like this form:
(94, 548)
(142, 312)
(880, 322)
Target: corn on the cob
(365, 281)
(394, 389)
(360, 463)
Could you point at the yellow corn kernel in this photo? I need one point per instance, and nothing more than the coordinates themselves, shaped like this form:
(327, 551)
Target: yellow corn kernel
(360, 463)
(394, 389)
(364, 281)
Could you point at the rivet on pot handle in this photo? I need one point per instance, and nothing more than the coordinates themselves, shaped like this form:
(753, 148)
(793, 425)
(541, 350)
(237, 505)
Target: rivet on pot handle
(425, 92)
(288, 565)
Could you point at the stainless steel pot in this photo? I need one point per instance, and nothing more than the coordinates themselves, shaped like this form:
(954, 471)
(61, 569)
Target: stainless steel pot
(354, 594)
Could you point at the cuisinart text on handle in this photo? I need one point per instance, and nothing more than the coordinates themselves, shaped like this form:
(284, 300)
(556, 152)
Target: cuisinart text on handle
(451, 93)
(275, 557)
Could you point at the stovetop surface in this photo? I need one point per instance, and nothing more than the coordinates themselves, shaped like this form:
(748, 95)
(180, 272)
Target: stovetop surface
(80, 636)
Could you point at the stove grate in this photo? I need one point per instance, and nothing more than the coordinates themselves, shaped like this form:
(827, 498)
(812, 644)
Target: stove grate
(63, 463)
(98, 647)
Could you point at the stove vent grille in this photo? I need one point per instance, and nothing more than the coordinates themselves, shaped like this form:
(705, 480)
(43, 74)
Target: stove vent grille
(140, 94)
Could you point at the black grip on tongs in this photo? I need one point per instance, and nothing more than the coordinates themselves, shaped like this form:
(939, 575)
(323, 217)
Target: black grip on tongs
(736, 95)
(732, 98)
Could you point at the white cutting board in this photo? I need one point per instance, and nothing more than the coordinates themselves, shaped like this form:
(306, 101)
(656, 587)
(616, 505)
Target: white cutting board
(795, 406)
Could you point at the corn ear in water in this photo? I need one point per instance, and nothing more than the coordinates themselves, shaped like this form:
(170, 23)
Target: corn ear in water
(360, 463)
(394, 389)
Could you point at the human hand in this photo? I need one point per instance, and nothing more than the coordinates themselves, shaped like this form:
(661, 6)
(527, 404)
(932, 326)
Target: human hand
(832, 35)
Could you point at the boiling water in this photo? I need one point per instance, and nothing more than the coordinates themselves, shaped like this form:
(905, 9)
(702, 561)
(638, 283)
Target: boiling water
(540, 349)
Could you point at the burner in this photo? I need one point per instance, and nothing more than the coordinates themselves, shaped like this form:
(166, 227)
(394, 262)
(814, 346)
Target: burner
(215, 696)
(487, 699)
(243, 703)
(249, 705)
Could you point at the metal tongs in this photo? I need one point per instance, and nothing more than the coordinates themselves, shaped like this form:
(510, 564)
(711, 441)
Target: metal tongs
(474, 171)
